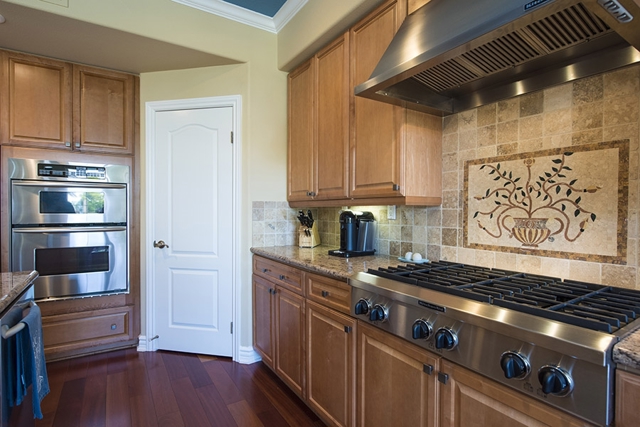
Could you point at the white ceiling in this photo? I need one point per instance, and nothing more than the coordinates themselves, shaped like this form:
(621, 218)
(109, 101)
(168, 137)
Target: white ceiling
(38, 32)
(247, 16)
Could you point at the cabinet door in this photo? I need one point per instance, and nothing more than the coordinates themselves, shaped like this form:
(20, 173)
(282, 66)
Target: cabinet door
(332, 117)
(263, 319)
(376, 140)
(627, 398)
(331, 348)
(290, 339)
(301, 174)
(470, 399)
(36, 101)
(103, 110)
(396, 382)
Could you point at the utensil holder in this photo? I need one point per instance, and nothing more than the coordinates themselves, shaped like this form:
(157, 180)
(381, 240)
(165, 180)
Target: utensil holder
(308, 237)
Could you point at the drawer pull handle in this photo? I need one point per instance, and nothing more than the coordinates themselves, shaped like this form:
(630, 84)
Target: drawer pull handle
(114, 327)
(325, 294)
(347, 329)
(265, 270)
(282, 277)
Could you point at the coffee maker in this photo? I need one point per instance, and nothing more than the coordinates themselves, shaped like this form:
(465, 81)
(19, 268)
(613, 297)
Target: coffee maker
(356, 234)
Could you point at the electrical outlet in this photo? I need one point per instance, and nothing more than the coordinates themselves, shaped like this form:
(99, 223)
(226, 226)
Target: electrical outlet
(391, 212)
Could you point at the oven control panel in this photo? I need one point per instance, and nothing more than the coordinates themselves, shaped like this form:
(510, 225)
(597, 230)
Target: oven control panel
(72, 171)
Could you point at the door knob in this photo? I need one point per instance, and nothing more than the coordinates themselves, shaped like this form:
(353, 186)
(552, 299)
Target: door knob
(160, 244)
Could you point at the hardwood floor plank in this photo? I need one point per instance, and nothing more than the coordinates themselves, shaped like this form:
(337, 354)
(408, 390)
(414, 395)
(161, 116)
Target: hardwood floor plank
(143, 413)
(94, 402)
(224, 384)
(215, 407)
(192, 411)
(118, 410)
(125, 388)
(70, 403)
(196, 371)
(163, 398)
(244, 415)
(173, 419)
(117, 361)
(174, 366)
(288, 404)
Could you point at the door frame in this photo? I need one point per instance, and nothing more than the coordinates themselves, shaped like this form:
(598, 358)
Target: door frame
(147, 342)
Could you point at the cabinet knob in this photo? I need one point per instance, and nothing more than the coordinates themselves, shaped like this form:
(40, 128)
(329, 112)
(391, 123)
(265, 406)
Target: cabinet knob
(325, 294)
(282, 277)
(311, 193)
(264, 270)
(77, 144)
(396, 187)
(67, 144)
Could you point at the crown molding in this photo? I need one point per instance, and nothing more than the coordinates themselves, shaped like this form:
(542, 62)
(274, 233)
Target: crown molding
(248, 17)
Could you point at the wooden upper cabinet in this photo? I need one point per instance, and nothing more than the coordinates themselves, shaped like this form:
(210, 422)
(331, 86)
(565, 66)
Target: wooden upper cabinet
(54, 104)
(332, 120)
(396, 154)
(36, 101)
(301, 173)
(103, 110)
(376, 144)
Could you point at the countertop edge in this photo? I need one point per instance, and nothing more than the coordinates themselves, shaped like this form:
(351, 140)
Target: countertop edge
(13, 286)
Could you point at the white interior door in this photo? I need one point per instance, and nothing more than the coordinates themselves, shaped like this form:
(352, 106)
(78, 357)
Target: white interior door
(193, 230)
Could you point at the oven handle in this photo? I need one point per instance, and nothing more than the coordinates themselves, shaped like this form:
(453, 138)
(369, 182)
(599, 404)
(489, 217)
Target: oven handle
(36, 230)
(44, 183)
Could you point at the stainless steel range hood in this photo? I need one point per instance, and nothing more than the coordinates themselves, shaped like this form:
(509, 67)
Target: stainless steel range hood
(453, 55)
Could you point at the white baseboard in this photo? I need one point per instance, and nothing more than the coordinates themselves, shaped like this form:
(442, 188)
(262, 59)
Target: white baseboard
(142, 343)
(247, 355)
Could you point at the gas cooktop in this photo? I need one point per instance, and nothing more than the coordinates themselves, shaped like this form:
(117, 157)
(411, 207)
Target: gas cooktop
(596, 307)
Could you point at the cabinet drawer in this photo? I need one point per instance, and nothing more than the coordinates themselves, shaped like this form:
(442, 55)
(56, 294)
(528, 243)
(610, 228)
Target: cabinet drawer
(329, 292)
(87, 329)
(288, 277)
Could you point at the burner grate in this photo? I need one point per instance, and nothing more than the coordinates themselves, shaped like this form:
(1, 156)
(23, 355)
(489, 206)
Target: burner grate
(588, 305)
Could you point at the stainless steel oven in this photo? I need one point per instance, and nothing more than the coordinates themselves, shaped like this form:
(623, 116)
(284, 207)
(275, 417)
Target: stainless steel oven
(69, 222)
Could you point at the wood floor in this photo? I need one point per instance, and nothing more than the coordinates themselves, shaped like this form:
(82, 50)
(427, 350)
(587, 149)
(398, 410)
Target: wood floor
(125, 388)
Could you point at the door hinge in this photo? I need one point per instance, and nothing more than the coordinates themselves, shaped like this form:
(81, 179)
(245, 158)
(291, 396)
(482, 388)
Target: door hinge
(232, 327)
(232, 137)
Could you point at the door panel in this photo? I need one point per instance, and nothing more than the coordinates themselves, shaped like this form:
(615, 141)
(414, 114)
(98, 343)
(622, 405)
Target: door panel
(193, 195)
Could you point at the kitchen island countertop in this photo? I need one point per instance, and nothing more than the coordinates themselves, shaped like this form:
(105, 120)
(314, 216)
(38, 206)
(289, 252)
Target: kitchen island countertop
(13, 285)
(626, 353)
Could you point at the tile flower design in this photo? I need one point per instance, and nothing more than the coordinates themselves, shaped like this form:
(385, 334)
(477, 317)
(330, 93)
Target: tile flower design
(563, 202)
(522, 205)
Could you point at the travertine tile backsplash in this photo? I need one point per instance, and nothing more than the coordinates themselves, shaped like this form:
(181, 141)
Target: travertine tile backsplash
(596, 109)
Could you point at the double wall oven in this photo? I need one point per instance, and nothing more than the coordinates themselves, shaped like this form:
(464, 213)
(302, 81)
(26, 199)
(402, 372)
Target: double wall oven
(69, 221)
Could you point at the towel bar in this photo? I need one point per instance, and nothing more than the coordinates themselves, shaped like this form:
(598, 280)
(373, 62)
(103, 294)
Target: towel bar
(7, 332)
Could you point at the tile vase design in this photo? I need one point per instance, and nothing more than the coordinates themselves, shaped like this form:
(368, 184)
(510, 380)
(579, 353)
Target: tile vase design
(530, 231)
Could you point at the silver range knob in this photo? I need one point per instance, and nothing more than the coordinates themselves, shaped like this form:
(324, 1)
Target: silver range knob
(555, 380)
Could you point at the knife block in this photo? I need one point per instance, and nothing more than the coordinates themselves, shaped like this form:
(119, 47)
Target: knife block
(308, 241)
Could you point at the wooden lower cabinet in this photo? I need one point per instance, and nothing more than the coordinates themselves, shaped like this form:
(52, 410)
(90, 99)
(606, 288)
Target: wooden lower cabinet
(279, 331)
(627, 398)
(397, 383)
(471, 400)
(66, 334)
(289, 324)
(331, 349)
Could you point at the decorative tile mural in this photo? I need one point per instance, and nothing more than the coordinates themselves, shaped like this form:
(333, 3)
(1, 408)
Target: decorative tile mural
(566, 202)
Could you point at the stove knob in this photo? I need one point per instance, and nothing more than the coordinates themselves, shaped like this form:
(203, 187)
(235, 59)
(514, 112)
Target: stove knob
(514, 365)
(421, 330)
(362, 306)
(446, 339)
(555, 380)
(378, 314)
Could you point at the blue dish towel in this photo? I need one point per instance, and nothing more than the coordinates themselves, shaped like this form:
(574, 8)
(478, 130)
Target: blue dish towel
(31, 368)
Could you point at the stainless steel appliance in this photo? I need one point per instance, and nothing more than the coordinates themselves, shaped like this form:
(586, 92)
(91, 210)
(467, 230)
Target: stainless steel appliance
(69, 222)
(547, 338)
(451, 56)
(356, 234)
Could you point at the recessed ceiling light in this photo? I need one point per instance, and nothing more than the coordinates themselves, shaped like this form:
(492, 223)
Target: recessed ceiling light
(2, 20)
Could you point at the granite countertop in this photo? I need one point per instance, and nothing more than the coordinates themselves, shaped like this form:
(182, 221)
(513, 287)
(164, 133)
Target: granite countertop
(318, 260)
(626, 353)
(13, 285)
